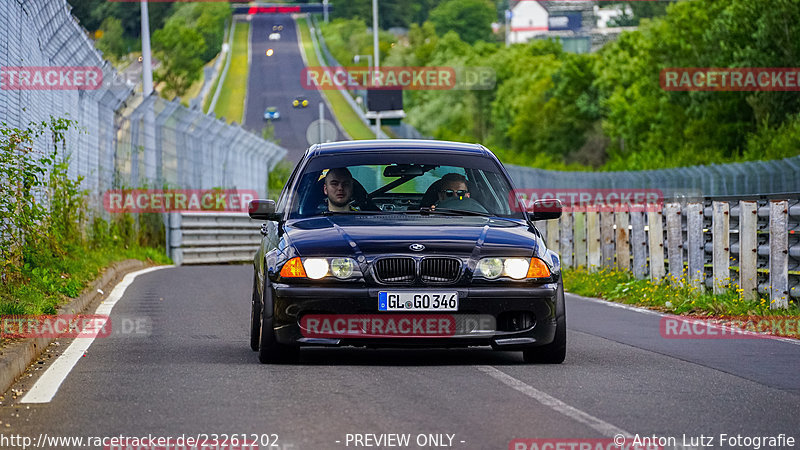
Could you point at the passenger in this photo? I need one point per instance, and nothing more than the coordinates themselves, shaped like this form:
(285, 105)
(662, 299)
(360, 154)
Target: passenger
(453, 185)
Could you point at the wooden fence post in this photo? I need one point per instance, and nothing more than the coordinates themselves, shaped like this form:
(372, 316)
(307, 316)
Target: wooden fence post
(778, 254)
(656, 238)
(721, 245)
(623, 240)
(672, 211)
(579, 224)
(607, 236)
(748, 249)
(565, 249)
(696, 245)
(592, 237)
(552, 235)
(638, 244)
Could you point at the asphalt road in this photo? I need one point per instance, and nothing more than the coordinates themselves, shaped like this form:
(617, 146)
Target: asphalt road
(276, 81)
(189, 370)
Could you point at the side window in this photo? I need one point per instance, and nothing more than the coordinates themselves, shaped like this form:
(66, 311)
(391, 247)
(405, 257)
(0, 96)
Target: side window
(280, 206)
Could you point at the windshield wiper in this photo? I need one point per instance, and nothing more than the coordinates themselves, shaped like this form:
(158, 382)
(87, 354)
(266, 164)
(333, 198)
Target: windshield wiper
(330, 213)
(453, 212)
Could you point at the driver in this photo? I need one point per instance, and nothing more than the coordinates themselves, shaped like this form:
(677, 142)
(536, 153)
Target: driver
(338, 189)
(453, 185)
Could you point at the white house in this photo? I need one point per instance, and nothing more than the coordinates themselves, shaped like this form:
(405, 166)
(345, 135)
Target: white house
(529, 18)
(539, 18)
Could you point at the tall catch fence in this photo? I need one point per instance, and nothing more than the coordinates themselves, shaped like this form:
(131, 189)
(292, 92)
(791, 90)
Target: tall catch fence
(745, 178)
(123, 140)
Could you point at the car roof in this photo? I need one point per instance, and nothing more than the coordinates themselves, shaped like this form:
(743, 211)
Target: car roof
(367, 146)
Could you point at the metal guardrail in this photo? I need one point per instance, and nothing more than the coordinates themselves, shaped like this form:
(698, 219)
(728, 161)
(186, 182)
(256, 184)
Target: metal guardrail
(717, 243)
(205, 238)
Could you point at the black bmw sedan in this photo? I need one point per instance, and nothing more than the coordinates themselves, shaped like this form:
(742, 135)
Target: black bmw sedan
(400, 243)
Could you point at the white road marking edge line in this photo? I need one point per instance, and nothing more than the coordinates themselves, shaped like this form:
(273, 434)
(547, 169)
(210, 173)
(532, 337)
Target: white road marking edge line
(557, 405)
(47, 385)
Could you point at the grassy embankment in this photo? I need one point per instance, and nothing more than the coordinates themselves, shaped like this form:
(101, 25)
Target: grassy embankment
(230, 104)
(350, 121)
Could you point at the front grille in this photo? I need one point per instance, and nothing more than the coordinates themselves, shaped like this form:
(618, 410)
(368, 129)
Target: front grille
(440, 270)
(395, 270)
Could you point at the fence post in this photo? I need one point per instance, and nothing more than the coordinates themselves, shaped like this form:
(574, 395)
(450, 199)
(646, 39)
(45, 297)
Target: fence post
(593, 237)
(639, 244)
(721, 246)
(623, 240)
(748, 249)
(778, 254)
(565, 249)
(656, 238)
(607, 236)
(552, 234)
(579, 224)
(696, 244)
(672, 211)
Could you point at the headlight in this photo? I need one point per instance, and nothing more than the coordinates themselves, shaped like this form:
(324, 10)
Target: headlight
(490, 267)
(316, 268)
(516, 268)
(342, 267)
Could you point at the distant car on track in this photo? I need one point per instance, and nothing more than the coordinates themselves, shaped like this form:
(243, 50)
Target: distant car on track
(274, 36)
(277, 27)
(300, 101)
(271, 113)
(384, 239)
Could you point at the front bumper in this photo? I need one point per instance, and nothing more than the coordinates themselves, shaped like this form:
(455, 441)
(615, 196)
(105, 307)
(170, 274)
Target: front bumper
(292, 303)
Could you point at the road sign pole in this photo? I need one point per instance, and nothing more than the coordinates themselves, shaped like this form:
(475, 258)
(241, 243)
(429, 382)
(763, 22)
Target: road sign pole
(147, 67)
(321, 122)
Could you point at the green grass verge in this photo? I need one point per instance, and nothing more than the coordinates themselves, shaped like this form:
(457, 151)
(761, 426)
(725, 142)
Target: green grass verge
(230, 104)
(47, 281)
(669, 296)
(350, 121)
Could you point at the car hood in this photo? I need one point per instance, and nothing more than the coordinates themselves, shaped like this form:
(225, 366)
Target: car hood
(393, 234)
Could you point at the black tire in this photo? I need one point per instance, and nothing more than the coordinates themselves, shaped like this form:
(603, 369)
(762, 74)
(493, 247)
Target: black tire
(269, 350)
(255, 316)
(556, 351)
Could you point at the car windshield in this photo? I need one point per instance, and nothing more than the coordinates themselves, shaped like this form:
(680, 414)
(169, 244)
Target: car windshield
(403, 184)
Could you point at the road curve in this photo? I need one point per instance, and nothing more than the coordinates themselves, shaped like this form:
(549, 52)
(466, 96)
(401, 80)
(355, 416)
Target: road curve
(189, 371)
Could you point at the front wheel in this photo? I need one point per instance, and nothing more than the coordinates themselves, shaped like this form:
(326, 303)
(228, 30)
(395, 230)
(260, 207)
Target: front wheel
(269, 350)
(255, 316)
(556, 351)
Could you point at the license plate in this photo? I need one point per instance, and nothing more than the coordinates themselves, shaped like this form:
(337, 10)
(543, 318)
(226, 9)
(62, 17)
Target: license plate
(417, 301)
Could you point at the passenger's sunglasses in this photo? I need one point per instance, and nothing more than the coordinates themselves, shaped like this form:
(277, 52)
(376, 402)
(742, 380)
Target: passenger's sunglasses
(450, 192)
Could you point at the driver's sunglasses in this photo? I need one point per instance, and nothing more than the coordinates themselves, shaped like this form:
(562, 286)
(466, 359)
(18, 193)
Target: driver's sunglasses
(450, 192)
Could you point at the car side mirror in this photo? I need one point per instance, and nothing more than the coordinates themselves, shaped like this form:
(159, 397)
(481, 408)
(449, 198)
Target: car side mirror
(263, 210)
(546, 209)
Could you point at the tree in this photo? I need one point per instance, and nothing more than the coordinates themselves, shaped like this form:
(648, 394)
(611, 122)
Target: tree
(111, 41)
(471, 19)
(180, 50)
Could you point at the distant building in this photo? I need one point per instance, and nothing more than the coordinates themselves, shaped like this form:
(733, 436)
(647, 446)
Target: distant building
(574, 22)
